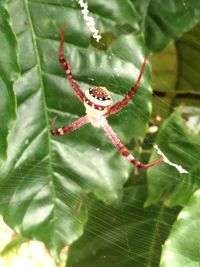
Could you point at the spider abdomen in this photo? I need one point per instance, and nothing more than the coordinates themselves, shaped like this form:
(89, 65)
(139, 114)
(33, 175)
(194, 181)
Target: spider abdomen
(97, 101)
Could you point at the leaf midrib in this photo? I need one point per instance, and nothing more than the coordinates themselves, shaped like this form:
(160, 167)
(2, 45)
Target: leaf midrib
(35, 47)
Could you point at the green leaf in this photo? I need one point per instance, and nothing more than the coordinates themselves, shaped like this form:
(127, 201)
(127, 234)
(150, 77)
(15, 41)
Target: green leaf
(164, 79)
(175, 69)
(188, 49)
(175, 78)
(181, 146)
(183, 245)
(165, 22)
(165, 69)
(123, 235)
(8, 74)
(46, 179)
(119, 11)
(11, 247)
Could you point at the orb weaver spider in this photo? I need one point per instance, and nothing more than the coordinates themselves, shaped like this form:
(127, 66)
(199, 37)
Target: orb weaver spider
(99, 106)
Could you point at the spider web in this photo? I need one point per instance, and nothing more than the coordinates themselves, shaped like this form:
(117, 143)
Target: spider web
(123, 232)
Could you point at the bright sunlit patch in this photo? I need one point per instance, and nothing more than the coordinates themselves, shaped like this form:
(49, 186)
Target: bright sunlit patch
(153, 129)
(168, 256)
(183, 215)
(197, 193)
(6, 234)
(158, 118)
(166, 160)
(32, 254)
(29, 254)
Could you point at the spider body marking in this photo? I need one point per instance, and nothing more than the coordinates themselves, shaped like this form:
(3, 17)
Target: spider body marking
(99, 105)
(97, 102)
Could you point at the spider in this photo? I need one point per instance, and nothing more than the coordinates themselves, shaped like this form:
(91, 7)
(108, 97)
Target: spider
(98, 104)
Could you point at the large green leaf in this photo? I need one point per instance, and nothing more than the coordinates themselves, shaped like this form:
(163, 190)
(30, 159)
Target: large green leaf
(188, 48)
(8, 74)
(45, 180)
(165, 69)
(165, 22)
(176, 68)
(175, 78)
(164, 79)
(182, 147)
(124, 234)
(183, 245)
(124, 12)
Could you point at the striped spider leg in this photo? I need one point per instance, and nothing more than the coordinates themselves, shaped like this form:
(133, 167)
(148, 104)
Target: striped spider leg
(70, 127)
(66, 67)
(99, 106)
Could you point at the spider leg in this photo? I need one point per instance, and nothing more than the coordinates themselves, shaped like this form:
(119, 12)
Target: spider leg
(70, 127)
(66, 67)
(119, 105)
(123, 150)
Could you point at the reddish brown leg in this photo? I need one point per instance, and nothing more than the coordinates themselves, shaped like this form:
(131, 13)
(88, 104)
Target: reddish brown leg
(119, 105)
(70, 127)
(124, 151)
(66, 67)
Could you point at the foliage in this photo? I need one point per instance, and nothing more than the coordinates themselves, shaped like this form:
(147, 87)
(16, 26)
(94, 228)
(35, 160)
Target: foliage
(52, 188)
(123, 234)
(182, 245)
(9, 71)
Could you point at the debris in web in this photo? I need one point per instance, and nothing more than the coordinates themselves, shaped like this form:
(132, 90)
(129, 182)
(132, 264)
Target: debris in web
(166, 160)
(89, 20)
